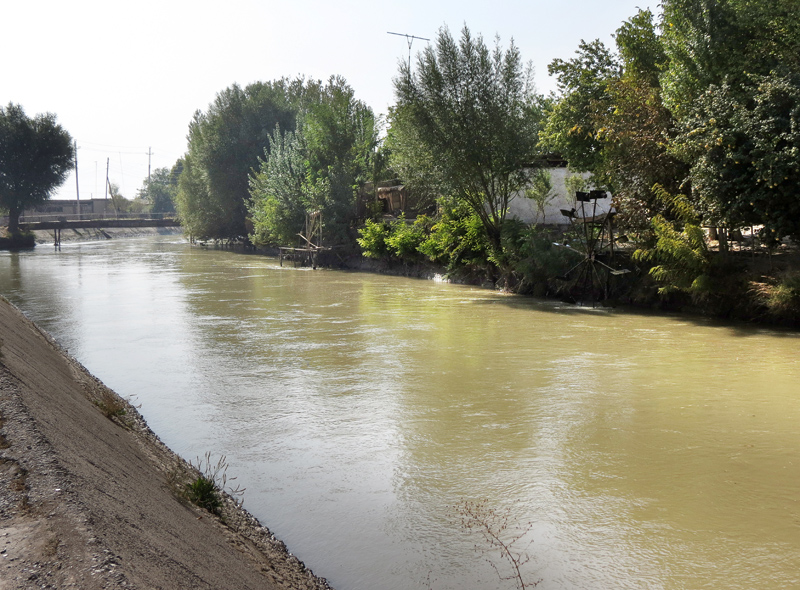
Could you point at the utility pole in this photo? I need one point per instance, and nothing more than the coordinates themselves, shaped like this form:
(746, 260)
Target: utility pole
(149, 154)
(107, 161)
(77, 186)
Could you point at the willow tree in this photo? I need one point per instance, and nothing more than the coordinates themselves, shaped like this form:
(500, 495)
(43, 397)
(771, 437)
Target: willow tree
(36, 155)
(475, 112)
(315, 169)
(225, 144)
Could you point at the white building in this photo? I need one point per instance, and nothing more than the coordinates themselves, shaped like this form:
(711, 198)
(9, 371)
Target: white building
(526, 209)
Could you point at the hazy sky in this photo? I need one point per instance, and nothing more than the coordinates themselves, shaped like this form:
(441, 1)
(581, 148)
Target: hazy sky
(124, 77)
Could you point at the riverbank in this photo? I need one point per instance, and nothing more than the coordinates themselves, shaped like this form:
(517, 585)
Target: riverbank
(741, 286)
(92, 499)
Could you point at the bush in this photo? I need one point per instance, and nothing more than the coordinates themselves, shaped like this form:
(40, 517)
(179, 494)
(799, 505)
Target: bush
(539, 260)
(782, 297)
(404, 239)
(373, 239)
(12, 241)
(458, 242)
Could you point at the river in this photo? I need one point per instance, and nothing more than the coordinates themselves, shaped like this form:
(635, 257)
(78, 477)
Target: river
(360, 411)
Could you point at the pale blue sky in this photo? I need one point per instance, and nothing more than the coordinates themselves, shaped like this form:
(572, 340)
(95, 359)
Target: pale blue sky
(126, 76)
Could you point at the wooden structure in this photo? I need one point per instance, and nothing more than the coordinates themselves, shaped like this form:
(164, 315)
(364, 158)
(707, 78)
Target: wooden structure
(394, 197)
(308, 253)
(595, 235)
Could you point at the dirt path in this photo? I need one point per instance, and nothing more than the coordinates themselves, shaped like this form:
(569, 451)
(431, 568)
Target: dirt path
(91, 502)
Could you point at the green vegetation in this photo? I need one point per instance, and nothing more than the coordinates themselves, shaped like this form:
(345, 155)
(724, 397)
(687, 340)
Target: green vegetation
(225, 143)
(474, 112)
(203, 492)
(691, 121)
(36, 155)
(317, 169)
(160, 190)
(209, 482)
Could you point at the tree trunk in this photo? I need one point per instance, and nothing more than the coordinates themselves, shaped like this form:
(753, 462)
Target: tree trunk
(13, 220)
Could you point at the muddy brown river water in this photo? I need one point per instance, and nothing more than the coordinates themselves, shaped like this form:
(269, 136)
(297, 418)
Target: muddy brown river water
(634, 451)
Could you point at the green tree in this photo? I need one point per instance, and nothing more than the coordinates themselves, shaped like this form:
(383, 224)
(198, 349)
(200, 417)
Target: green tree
(318, 168)
(610, 119)
(412, 160)
(160, 189)
(744, 144)
(36, 155)
(119, 202)
(732, 84)
(541, 191)
(572, 125)
(476, 113)
(225, 144)
(711, 42)
(281, 191)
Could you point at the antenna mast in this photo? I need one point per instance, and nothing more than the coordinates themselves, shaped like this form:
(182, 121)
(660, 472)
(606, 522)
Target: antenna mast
(410, 40)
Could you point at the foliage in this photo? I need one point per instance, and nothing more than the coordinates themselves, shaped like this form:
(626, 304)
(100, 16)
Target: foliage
(318, 168)
(119, 202)
(475, 112)
(711, 42)
(744, 145)
(540, 191)
(396, 239)
(203, 492)
(782, 296)
(458, 241)
(373, 239)
(611, 121)
(160, 189)
(36, 155)
(411, 159)
(679, 253)
(501, 536)
(571, 128)
(225, 143)
(281, 191)
(540, 258)
(209, 483)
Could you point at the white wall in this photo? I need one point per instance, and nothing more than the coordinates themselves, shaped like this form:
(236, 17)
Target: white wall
(526, 210)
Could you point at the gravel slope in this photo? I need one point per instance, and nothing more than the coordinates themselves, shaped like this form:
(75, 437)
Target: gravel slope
(91, 502)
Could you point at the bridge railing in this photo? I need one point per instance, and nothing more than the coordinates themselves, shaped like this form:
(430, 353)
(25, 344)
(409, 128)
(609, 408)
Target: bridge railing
(86, 217)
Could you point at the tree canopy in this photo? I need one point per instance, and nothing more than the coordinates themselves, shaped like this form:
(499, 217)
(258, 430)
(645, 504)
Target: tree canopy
(701, 104)
(225, 143)
(160, 189)
(475, 114)
(36, 155)
(317, 168)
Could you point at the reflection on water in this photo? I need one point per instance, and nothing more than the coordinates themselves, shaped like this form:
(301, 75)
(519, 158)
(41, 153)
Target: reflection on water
(648, 452)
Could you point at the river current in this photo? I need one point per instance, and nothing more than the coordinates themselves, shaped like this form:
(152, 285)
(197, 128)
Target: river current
(360, 411)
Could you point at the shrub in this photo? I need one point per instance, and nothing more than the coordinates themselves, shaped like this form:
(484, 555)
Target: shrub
(373, 239)
(203, 492)
(404, 239)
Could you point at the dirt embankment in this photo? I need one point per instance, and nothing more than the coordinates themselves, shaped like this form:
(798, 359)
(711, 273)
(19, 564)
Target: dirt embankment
(93, 502)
